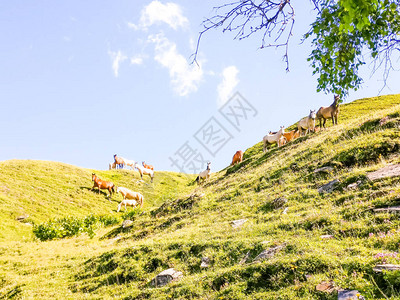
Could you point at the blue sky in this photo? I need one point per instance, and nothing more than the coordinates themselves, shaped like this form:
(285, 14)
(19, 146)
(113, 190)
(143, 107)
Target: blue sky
(81, 81)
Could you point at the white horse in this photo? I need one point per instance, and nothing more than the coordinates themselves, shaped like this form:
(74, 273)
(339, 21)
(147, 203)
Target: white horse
(144, 171)
(126, 203)
(129, 162)
(307, 123)
(272, 138)
(130, 195)
(204, 174)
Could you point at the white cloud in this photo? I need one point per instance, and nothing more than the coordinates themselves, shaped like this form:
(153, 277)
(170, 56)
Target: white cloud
(117, 58)
(229, 82)
(156, 12)
(133, 26)
(136, 60)
(184, 77)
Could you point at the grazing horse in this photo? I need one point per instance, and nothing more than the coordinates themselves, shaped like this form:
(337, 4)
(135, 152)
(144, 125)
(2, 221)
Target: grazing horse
(204, 174)
(102, 184)
(330, 112)
(291, 135)
(130, 195)
(237, 158)
(272, 138)
(144, 171)
(119, 161)
(127, 203)
(147, 166)
(307, 123)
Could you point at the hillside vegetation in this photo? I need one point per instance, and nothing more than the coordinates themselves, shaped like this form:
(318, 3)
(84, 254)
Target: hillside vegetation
(313, 237)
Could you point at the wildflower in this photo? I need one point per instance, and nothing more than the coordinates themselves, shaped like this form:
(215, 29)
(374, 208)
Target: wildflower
(383, 255)
(381, 235)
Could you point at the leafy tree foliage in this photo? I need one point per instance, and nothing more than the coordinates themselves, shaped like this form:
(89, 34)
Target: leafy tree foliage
(344, 34)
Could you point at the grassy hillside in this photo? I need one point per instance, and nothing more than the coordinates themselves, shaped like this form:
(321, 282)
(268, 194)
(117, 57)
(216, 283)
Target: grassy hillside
(42, 190)
(181, 224)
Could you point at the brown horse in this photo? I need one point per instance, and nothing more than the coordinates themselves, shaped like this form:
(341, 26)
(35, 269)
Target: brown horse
(237, 158)
(102, 184)
(150, 167)
(119, 161)
(291, 135)
(330, 112)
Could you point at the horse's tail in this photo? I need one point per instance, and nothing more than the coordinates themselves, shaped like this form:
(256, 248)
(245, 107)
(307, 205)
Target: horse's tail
(198, 179)
(113, 188)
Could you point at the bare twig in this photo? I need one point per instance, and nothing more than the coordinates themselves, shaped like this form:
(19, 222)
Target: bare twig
(247, 17)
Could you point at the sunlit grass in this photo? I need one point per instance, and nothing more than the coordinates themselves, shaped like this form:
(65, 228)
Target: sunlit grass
(176, 230)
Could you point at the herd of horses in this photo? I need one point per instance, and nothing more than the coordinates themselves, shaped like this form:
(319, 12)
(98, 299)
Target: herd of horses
(307, 124)
(131, 198)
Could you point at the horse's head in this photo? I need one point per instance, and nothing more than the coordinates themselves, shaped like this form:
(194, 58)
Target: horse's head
(312, 115)
(93, 176)
(208, 165)
(336, 99)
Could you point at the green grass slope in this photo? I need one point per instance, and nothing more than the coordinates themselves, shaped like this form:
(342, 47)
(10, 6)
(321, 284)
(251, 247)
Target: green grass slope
(42, 190)
(181, 224)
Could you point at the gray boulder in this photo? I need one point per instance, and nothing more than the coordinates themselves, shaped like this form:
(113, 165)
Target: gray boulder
(166, 277)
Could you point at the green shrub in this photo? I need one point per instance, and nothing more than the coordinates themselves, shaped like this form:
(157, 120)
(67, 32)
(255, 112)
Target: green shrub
(71, 226)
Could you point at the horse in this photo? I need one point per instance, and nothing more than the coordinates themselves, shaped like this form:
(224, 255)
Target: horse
(330, 112)
(112, 166)
(119, 162)
(237, 158)
(272, 138)
(126, 203)
(282, 140)
(144, 171)
(102, 184)
(307, 123)
(147, 166)
(130, 195)
(204, 174)
(291, 135)
(129, 162)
